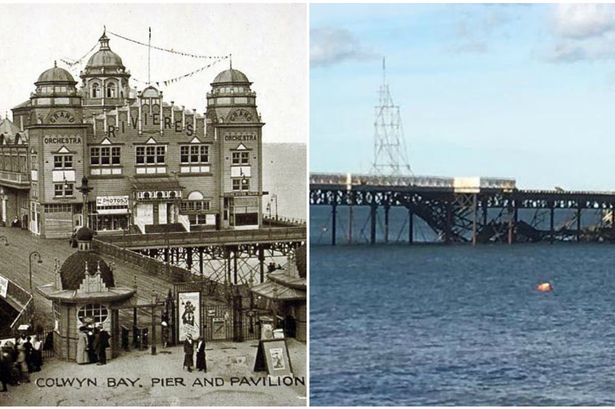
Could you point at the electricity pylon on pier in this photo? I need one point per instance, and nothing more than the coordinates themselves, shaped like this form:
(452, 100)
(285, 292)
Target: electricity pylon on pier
(390, 158)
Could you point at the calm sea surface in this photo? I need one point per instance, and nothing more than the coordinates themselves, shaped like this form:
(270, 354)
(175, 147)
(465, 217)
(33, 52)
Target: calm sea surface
(456, 325)
(285, 175)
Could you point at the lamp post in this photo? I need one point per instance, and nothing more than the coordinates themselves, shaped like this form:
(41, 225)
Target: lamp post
(85, 189)
(275, 198)
(40, 261)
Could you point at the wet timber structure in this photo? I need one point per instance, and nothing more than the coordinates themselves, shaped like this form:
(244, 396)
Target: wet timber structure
(461, 210)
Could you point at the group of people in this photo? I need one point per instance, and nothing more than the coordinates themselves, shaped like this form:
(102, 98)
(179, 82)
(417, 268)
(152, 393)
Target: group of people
(189, 347)
(20, 358)
(92, 344)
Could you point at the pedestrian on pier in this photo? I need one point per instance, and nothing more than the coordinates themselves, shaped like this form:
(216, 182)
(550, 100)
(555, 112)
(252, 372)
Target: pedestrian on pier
(101, 343)
(164, 331)
(22, 364)
(201, 363)
(188, 353)
(6, 362)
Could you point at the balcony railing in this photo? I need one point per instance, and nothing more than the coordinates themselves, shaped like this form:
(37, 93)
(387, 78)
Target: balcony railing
(14, 177)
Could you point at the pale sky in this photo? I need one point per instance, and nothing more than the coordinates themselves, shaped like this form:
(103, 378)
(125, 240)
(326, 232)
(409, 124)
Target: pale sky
(268, 44)
(516, 90)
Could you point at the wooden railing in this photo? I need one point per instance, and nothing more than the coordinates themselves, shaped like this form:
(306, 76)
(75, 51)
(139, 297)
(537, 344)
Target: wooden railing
(207, 237)
(147, 264)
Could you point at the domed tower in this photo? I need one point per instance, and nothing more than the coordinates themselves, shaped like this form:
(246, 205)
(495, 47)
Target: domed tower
(104, 80)
(57, 137)
(232, 113)
(84, 293)
(55, 99)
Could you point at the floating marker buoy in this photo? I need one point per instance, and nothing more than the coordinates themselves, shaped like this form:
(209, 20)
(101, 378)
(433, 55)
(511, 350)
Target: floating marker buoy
(544, 287)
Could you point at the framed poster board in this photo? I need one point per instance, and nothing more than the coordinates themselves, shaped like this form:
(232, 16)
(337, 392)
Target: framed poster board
(218, 328)
(273, 357)
(4, 286)
(189, 314)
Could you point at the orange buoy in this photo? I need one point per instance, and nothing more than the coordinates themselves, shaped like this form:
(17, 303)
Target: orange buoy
(544, 287)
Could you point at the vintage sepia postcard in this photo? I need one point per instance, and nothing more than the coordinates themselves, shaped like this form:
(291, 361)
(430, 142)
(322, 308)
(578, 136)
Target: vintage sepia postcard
(153, 205)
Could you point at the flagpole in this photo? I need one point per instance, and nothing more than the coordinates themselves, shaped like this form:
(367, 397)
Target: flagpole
(149, 52)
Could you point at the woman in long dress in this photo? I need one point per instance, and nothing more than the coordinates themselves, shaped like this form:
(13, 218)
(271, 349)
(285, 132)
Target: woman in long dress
(82, 347)
(188, 353)
(201, 363)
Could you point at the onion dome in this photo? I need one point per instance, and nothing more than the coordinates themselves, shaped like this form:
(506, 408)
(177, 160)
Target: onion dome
(55, 75)
(231, 76)
(77, 265)
(84, 234)
(104, 57)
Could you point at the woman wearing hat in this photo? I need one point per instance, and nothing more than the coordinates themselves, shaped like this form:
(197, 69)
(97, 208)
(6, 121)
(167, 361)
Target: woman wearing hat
(188, 353)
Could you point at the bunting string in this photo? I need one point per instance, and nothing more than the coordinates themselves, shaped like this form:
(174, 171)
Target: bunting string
(170, 81)
(76, 62)
(172, 51)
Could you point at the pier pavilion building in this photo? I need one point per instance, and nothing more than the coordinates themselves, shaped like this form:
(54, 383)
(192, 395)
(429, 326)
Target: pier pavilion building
(143, 164)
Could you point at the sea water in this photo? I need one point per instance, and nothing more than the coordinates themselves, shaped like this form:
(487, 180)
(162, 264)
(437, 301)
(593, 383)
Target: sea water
(462, 325)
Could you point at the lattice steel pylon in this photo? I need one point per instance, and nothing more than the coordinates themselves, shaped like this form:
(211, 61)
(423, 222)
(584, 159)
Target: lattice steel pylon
(390, 157)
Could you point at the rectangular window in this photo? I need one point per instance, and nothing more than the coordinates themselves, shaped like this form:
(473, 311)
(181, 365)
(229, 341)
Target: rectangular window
(150, 155)
(94, 156)
(241, 184)
(194, 154)
(160, 150)
(115, 156)
(63, 189)
(183, 153)
(140, 154)
(105, 156)
(241, 158)
(62, 161)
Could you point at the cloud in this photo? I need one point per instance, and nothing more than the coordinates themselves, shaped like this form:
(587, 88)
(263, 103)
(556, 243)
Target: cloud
(477, 26)
(329, 46)
(582, 21)
(582, 32)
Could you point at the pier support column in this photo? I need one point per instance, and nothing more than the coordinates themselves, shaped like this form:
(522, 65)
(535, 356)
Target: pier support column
(510, 224)
(410, 226)
(474, 205)
(386, 222)
(333, 222)
(579, 223)
(350, 224)
(201, 261)
(552, 228)
(449, 222)
(235, 266)
(188, 251)
(484, 207)
(372, 232)
(261, 262)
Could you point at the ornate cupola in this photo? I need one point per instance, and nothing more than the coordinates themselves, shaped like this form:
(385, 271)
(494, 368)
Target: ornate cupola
(231, 99)
(55, 99)
(104, 80)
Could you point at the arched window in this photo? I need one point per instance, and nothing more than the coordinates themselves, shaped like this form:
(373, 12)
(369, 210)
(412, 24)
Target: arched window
(111, 90)
(196, 195)
(95, 90)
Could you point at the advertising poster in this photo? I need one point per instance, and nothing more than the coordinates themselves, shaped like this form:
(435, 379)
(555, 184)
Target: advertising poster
(189, 315)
